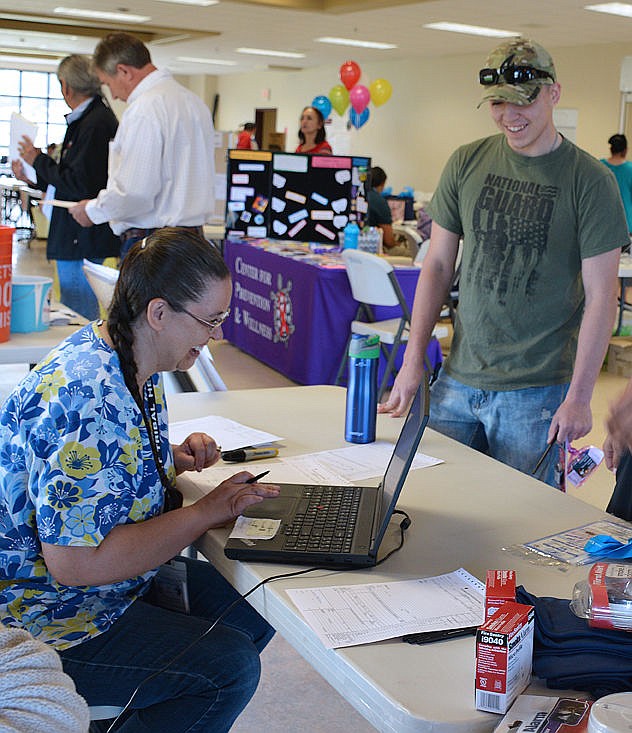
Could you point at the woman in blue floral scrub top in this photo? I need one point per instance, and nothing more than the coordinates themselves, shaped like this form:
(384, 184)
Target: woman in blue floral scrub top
(89, 509)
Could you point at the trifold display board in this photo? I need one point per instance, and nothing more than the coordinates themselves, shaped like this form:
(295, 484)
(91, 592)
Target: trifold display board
(306, 198)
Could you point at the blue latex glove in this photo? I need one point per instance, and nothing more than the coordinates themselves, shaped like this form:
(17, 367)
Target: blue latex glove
(603, 545)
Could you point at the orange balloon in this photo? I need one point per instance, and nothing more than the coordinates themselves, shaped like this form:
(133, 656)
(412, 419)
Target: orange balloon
(350, 74)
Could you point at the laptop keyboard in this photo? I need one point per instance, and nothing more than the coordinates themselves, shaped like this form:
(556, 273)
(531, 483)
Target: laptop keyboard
(326, 522)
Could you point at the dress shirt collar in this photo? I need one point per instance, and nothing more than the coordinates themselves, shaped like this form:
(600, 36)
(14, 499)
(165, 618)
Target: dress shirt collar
(150, 81)
(76, 113)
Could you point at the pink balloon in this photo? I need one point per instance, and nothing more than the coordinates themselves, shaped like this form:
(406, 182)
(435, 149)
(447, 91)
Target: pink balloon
(359, 97)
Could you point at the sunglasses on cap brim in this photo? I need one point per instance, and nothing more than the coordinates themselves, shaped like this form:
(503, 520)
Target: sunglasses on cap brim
(511, 75)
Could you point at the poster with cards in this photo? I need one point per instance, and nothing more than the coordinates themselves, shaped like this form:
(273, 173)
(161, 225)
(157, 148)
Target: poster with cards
(247, 193)
(306, 198)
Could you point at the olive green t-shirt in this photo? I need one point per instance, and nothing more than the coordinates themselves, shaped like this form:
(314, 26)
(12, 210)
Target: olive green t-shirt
(527, 223)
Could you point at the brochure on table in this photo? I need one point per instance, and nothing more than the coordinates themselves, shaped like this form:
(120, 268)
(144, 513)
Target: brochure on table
(292, 196)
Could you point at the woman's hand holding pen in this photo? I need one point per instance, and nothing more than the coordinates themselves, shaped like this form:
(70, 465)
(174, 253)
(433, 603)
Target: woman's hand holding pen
(233, 496)
(197, 452)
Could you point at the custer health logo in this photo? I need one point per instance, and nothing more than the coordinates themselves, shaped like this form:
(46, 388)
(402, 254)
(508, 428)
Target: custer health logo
(282, 311)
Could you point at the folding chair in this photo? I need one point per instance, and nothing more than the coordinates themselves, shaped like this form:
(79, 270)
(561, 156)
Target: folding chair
(102, 280)
(102, 713)
(373, 282)
(412, 237)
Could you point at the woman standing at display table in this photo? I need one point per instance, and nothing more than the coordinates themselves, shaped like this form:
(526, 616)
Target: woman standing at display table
(622, 170)
(89, 509)
(82, 171)
(312, 133)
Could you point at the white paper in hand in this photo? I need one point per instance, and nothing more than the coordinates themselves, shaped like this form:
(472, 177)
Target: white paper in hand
(20, 126)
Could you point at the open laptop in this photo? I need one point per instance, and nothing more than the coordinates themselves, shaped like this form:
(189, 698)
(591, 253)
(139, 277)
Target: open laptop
(353, 540)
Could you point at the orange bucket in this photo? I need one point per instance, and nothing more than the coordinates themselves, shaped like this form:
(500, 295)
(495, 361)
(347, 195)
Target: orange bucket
(6, 254)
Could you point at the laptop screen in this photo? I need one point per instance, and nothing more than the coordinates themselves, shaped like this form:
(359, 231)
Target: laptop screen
(402, 457)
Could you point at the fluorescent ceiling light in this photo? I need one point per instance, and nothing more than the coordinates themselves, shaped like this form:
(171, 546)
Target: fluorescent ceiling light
(624, 9)
(473, 30)
(203, 3)
(213, 62)
(28, 60)
(268, 52)
(102, 15)
(354, 42)
(32, 53)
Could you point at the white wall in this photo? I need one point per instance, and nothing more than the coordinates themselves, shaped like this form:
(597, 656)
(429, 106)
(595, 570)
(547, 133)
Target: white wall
(433, 107)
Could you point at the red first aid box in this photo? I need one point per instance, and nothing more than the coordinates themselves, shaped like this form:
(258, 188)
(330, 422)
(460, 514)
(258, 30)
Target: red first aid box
(504, 651)
(500, 588)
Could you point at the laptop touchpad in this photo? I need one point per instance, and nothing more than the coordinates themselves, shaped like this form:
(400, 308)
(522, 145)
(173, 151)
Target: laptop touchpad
(277, 508)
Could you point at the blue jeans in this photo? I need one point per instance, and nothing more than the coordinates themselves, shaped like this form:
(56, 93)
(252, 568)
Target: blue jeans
(75, 290)
(205, 689)
(511, 426)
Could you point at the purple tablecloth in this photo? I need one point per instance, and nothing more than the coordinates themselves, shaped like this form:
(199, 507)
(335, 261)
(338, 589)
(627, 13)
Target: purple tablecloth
(294, 313)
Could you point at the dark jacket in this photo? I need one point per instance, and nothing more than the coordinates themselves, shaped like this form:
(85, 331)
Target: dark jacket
(81, 173)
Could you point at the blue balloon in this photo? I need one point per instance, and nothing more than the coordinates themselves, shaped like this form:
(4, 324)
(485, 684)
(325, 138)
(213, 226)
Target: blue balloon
(357, 120)
(322, 104)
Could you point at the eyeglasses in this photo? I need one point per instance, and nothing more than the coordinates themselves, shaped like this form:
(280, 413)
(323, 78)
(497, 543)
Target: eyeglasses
(511, 75)
(211, 325)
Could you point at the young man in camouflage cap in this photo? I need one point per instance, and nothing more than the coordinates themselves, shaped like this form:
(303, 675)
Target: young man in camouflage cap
(542, 226)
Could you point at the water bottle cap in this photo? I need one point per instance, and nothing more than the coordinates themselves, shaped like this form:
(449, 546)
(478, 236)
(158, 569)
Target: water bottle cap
(364, 347)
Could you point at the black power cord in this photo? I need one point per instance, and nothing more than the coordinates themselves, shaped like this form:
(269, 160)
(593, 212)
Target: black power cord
(403, 526)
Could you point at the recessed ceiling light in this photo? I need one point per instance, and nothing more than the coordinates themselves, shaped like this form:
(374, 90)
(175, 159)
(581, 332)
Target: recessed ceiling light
(102, 15)
(624, 9)
(269, 52)
(473, 30)
(354, 42)
(203, 3)
(213, 62)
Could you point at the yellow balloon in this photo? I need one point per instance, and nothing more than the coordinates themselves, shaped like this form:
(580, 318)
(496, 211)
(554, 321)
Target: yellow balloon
(381, 91)
(339, 98)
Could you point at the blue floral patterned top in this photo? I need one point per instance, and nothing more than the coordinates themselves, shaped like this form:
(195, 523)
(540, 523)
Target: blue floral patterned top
(75, 461)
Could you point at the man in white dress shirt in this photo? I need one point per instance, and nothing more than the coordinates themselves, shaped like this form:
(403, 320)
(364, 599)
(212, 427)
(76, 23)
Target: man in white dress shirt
(161, 163)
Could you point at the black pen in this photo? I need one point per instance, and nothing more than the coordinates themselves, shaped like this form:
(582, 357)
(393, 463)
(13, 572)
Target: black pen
(543, 456)
(254, 479)
(425, 637)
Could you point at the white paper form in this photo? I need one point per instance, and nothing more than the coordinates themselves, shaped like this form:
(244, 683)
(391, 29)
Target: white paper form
(349, 615)
(229, 434)
(341, 467)
(19, 127)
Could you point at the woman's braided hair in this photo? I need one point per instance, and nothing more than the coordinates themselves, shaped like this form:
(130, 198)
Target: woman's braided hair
(173, 264)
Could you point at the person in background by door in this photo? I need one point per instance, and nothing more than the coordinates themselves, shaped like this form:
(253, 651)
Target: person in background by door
(312, 133)
(379, 215)
(622, 170)
(246, 138)
(81, 172)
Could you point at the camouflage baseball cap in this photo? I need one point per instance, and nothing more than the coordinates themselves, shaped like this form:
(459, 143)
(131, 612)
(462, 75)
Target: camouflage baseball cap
(503, 60)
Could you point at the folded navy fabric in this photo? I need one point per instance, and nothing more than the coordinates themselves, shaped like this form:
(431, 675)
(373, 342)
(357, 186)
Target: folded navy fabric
(569, 654)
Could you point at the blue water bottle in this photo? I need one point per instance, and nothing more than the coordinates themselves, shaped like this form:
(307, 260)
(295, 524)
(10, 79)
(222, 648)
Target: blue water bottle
(351, 234)
(364, 354)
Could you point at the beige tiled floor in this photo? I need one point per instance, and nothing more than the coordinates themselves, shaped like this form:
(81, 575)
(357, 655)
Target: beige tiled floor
(316, 707)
